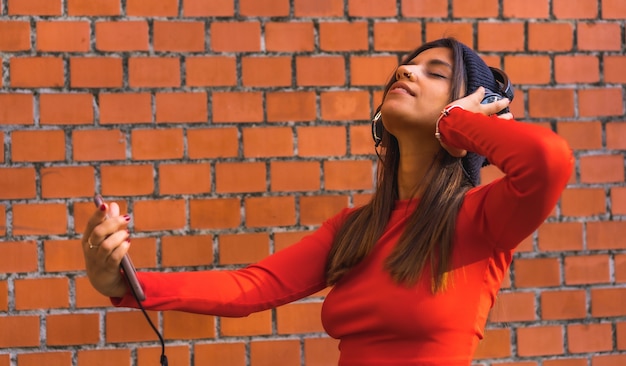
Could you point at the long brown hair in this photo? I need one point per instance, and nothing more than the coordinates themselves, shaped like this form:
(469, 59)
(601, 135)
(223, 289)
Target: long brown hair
(429, 233)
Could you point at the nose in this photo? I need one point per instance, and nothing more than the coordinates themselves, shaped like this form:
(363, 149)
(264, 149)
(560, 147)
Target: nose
(403, 73)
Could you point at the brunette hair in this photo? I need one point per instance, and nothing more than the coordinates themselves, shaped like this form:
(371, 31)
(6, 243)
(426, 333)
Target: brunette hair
(427, 239)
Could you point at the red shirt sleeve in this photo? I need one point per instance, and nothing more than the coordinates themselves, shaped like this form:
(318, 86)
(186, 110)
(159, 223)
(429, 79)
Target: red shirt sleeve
(288, 275)
(537, 164)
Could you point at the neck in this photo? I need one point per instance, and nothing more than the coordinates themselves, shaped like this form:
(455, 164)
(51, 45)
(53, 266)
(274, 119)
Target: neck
(415, 160)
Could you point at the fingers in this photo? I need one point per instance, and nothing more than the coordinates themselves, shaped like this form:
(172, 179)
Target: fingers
(506, 115)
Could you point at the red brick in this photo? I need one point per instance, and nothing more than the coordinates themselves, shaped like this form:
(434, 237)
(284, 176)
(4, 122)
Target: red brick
(613, 9)
(254, 324)
(153, 144)
(616, 135)
(243, 248)
(372, 8)
(608, 302)
(184, 251)
(180, 325)
(583, 202)
(65, 182)
(291, 106)
(587, 338)
(601, 168)
(283, 178)
(321, 141)
(289, 37)
(211, 71)
(154, 72)
(264, 352)
(55, 358)
(17, 257)
(192, 178)
(500, 36)
(208, 8)
(551, 102)
(343, 36)
(226, 354)
(608, 360)
(264, 8)
(4, 297)
(94, 357)
(361, 142)
(345, 105)
(16, 109)
(63, 36)
(525, 69)
(176, 355)
(560, 236)
(539, 341)
(463, 31)
(600, 102)
(17, 183)
(537, 272)
(96, 72)
(128, 326)
(299, 318)
(98, 145)
(24, 331)
(270, 211)
(621, 335)
(586, 269)
(606, 235)
(267, 142)
(125, 108)
(127, 180)
(424, 8)
(321, 351)
(319, 8)
(581, 9)
(180, 107)
(496, 343)
(563, 305)
(159, 215)
(216, 213)
(314, 210)
(93, 7)
(576, 69)
(14, 36)
(581, 135)
(266, 71)
(371, 70)
(613, 69)
(72, 329)
(562, 36)
(526, 9)
(348, 175)
(122, 36)
(36, 72)
(63, 255)
(240, 177)
(618, 200)
(154, 8)
(599, 36)
(236, 107)
(87, 296)
(397, 36)
(283, 240)
(38, 145)
(212, 142)
(41, 293)
(178, 36)
(465, 9)
(66, 109)
(320, 71)
(566, 362)
(235, 37)
(34, 7)
(39, 218)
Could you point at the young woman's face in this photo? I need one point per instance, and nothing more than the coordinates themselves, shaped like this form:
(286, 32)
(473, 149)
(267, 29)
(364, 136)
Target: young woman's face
(421, 91)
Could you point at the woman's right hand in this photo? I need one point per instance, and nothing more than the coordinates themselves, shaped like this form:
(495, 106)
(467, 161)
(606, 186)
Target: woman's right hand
(105, 242)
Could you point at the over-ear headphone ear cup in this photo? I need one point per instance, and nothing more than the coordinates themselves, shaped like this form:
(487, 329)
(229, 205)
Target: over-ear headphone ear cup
(491, 97)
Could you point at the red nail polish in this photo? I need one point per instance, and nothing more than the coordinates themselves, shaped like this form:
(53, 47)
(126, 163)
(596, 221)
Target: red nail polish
(127, 217)
(103, 207)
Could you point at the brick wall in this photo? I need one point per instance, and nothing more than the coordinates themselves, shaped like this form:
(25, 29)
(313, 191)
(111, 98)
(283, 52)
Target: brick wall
(230, 128)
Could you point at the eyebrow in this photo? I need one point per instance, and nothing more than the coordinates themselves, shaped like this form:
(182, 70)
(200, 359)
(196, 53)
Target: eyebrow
(433, 62)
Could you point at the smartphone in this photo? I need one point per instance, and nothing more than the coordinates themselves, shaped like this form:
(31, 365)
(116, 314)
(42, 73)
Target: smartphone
(127, 264)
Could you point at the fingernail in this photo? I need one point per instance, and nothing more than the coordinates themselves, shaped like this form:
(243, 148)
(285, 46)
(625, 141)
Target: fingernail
(103, 207)
(127, 217)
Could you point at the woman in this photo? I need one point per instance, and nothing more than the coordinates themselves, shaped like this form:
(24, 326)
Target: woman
(416, 270)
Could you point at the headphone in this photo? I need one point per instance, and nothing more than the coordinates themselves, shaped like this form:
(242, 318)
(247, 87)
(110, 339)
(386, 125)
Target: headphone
(505, 90)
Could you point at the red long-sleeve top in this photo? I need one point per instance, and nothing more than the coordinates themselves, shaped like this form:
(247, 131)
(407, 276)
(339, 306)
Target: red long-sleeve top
(378, 321)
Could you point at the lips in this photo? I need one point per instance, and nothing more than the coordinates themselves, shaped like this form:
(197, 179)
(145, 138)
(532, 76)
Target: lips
(401, 87)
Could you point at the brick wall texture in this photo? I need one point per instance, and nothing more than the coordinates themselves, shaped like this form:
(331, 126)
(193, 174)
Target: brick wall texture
(228, 129)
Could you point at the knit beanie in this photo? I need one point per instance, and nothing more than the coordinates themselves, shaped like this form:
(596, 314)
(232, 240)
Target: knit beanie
(477, 74)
